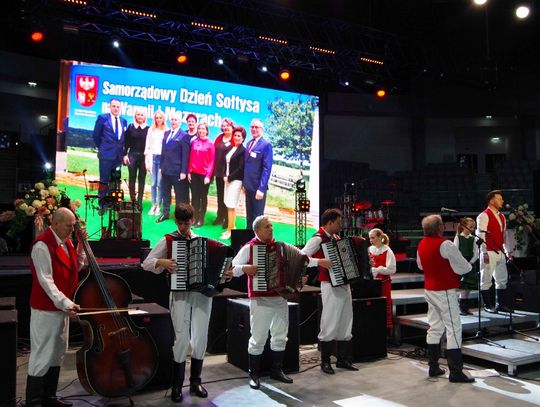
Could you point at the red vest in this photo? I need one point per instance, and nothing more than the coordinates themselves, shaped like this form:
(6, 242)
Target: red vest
(270, 248)
(438, 274)
(495, 238)
(379, 260)
(323, 272)
(65, 272)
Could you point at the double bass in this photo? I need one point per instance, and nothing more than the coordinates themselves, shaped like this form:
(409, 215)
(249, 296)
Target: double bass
(118, 358)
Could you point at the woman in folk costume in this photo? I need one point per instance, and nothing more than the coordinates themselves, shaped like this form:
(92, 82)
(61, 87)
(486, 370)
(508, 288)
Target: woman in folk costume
(383, 265)
(466, 243)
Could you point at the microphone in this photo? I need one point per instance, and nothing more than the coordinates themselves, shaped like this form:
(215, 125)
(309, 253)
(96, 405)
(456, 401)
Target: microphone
(443, 209)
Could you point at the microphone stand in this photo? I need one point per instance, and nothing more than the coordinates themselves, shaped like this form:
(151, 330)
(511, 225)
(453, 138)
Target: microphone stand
(479, 332)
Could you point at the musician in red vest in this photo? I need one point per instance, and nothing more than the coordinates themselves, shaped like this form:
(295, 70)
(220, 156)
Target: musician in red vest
(491, 227)
(443, 265)
(268, 311)
(55, 265)
(337, 313)
(190, 310)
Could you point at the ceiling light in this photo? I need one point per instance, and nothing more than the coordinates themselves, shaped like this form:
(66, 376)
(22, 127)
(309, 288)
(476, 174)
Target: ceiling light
(522, 12)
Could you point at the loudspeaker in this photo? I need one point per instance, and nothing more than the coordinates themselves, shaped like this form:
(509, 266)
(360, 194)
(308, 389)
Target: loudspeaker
(157, 320)
(309, 323)
(238, 335)
(118, 248)
(524, 297)
(217, 328)
(8, 356)
(239, 237)
(369, 328)
(536, 190)
(128, 225)
(7, 303)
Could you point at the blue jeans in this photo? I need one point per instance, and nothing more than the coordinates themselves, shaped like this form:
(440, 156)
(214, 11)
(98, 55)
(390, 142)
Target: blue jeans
(155, 187)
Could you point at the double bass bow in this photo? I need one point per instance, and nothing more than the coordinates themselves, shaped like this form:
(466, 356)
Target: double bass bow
(118, 358)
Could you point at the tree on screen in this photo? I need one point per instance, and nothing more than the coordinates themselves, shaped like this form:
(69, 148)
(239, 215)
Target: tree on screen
(290, 128)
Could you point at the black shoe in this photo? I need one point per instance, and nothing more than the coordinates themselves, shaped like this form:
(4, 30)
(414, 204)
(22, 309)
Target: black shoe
(217, 221)
(345, 364)
(254, 382)
(162, 218)
(254, 369)
(435, 371)
(326, 367)
(196, 389)
(460, 377)
(280, 375)
(177, 381)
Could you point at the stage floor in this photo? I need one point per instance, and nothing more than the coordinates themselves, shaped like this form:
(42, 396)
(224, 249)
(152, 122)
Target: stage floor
(393, 381)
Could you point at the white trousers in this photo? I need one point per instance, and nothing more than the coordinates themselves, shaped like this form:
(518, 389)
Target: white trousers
(337, 313)
(495, 268)
(190, 314)
(48, 340)
(443, 314)
(268, 313)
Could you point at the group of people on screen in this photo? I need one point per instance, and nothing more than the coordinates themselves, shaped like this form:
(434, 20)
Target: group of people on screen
(186, 161)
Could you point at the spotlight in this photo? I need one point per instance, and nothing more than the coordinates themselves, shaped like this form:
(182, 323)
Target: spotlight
(522, 12)
(284, 75)
(32, 84)
(47, 166)
(116, 44)
(304, 205)
(182, 58)
(344, 82)
(479, 2)
(219, 60)
(37, 36)
(262, 68)
(381, 93)
(301, 185)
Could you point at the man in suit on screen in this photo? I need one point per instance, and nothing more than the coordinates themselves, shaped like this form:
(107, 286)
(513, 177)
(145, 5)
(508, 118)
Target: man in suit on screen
(257, 170)
(109, 139)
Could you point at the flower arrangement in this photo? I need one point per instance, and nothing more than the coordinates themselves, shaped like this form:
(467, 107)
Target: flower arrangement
(524, 223)
(38, 205)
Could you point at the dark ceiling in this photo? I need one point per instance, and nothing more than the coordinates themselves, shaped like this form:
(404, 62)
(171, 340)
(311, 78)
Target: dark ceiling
(449, 40)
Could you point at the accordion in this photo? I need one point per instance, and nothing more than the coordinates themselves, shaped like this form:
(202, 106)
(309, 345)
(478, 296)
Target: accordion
(200, 265)
(280, 270)
(349, 259)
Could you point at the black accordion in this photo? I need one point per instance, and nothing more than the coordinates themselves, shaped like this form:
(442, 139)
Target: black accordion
(200, 265)
(280, 270)
(349, 259)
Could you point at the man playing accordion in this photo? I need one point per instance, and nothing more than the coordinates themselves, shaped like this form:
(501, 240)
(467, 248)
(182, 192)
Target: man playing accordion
(190, 310)
(337, 313)
(268, 310)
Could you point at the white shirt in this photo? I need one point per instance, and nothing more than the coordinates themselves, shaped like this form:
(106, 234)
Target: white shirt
(390, 267)
(159, 252)
(115, 120)
(228, 159)
(450, 252)
(41, 257)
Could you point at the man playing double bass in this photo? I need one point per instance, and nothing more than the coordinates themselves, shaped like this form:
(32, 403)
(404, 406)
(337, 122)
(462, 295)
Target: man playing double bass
(55, 265)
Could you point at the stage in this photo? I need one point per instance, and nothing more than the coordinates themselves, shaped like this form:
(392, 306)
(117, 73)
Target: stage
(391, 382)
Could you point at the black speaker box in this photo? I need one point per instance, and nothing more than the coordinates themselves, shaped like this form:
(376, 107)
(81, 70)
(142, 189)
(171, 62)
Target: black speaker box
(524, 297)
(309, 323)
(7, 303)
(239, 237)
(8, 356)
(217, 328)
(157, 320)
(118, 247)
(238, 335)
(369, 328)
